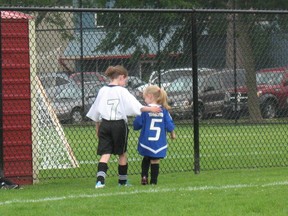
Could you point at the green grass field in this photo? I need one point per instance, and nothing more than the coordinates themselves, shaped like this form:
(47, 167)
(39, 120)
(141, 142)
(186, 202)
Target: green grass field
(222, 146)
(224, 186)
(223, 192)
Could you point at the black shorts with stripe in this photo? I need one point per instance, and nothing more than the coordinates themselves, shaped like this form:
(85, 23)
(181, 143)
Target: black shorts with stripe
(113, 136)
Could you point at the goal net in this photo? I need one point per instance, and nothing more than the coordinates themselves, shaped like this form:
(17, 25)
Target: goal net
(50, 147)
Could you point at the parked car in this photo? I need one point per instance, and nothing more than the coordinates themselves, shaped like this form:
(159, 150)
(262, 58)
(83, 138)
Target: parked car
(50, 79)
(135, 82)
(168, 76)
(89, 78)
(54, 83)
(212, 86)
(272, 92)
(68, 104)
(137, 94)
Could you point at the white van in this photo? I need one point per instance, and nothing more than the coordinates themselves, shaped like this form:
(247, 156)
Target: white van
(168, 76)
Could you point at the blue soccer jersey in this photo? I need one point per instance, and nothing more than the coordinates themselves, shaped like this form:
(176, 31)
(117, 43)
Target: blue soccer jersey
(153, 140)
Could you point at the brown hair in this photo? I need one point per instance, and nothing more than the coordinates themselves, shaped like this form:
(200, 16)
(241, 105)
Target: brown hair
(114, 71)
(159, 94)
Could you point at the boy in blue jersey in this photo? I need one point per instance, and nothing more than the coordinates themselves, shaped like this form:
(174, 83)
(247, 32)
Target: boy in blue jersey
(152, 143)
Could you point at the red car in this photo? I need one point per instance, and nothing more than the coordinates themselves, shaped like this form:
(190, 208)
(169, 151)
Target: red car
(272, 91)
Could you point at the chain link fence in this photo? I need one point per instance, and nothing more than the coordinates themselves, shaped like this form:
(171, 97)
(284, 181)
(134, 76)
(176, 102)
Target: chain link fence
(225, 73)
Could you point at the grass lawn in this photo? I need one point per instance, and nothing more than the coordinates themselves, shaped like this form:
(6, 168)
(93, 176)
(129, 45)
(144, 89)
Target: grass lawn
(223, 192)
(225, 185)
(222, 146)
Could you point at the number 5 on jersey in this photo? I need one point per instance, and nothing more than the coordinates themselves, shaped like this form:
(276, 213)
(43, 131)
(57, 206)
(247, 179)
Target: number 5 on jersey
(153, 127)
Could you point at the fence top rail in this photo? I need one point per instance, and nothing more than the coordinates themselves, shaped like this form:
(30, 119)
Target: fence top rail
(140, 10)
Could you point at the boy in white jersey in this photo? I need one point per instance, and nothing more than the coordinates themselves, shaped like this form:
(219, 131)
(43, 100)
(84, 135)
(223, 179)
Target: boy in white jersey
(111, 108)
(152, 143)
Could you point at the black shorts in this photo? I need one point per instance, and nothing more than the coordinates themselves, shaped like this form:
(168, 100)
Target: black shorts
(113, 136)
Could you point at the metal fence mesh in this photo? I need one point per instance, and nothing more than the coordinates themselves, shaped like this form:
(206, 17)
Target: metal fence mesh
(229, 67)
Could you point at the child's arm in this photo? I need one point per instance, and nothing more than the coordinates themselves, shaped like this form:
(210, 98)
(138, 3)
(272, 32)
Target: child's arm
(97, 128)
(154, 109)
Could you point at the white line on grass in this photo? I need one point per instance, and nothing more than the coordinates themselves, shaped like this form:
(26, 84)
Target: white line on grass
(150, 190)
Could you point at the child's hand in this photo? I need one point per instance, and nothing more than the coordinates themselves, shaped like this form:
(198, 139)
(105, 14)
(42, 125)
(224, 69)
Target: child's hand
(172, 135)
(156, 109)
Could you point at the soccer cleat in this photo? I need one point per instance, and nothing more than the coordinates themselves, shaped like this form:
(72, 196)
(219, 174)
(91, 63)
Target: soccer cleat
(144, 180)
(99, 185)
(127, 184)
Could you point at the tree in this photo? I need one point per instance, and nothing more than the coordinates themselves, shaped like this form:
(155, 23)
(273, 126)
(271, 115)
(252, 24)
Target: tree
(159, 27)
(55, 18)
(239, 53)
(168, 31)
(36, 3)
(246, 29)
(246, 55)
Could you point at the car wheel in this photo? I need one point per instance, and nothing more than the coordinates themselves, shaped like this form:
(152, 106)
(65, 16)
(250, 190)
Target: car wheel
(201, 113)
(76, 116)
(269, 110)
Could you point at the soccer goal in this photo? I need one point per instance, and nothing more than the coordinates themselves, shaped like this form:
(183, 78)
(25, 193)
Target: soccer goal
(51, 149)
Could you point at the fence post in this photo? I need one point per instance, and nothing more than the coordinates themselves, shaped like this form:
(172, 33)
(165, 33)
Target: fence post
(195, 94)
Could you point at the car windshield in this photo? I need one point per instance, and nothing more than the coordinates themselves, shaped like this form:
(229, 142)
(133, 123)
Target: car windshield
(184, 83)
(169, 76)
(231, 78)
(72, 93)
(93, 77)
(135, 82)
(269, 78)
(56, 80)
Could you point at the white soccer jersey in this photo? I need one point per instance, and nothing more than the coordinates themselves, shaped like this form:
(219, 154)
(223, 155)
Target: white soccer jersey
(114, 103)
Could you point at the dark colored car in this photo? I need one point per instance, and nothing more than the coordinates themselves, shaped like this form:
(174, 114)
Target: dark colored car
(68, 104)
(272, 92)
(212, 86)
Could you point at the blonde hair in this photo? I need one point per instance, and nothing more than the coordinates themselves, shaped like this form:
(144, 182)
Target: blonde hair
(114, 71)
(159, 94)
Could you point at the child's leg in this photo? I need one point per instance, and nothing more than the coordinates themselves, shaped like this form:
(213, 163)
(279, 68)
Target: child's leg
(145, 166)
(144, 170)
(102, 168)
(122, 169)
(154, 171)
(101, 172)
